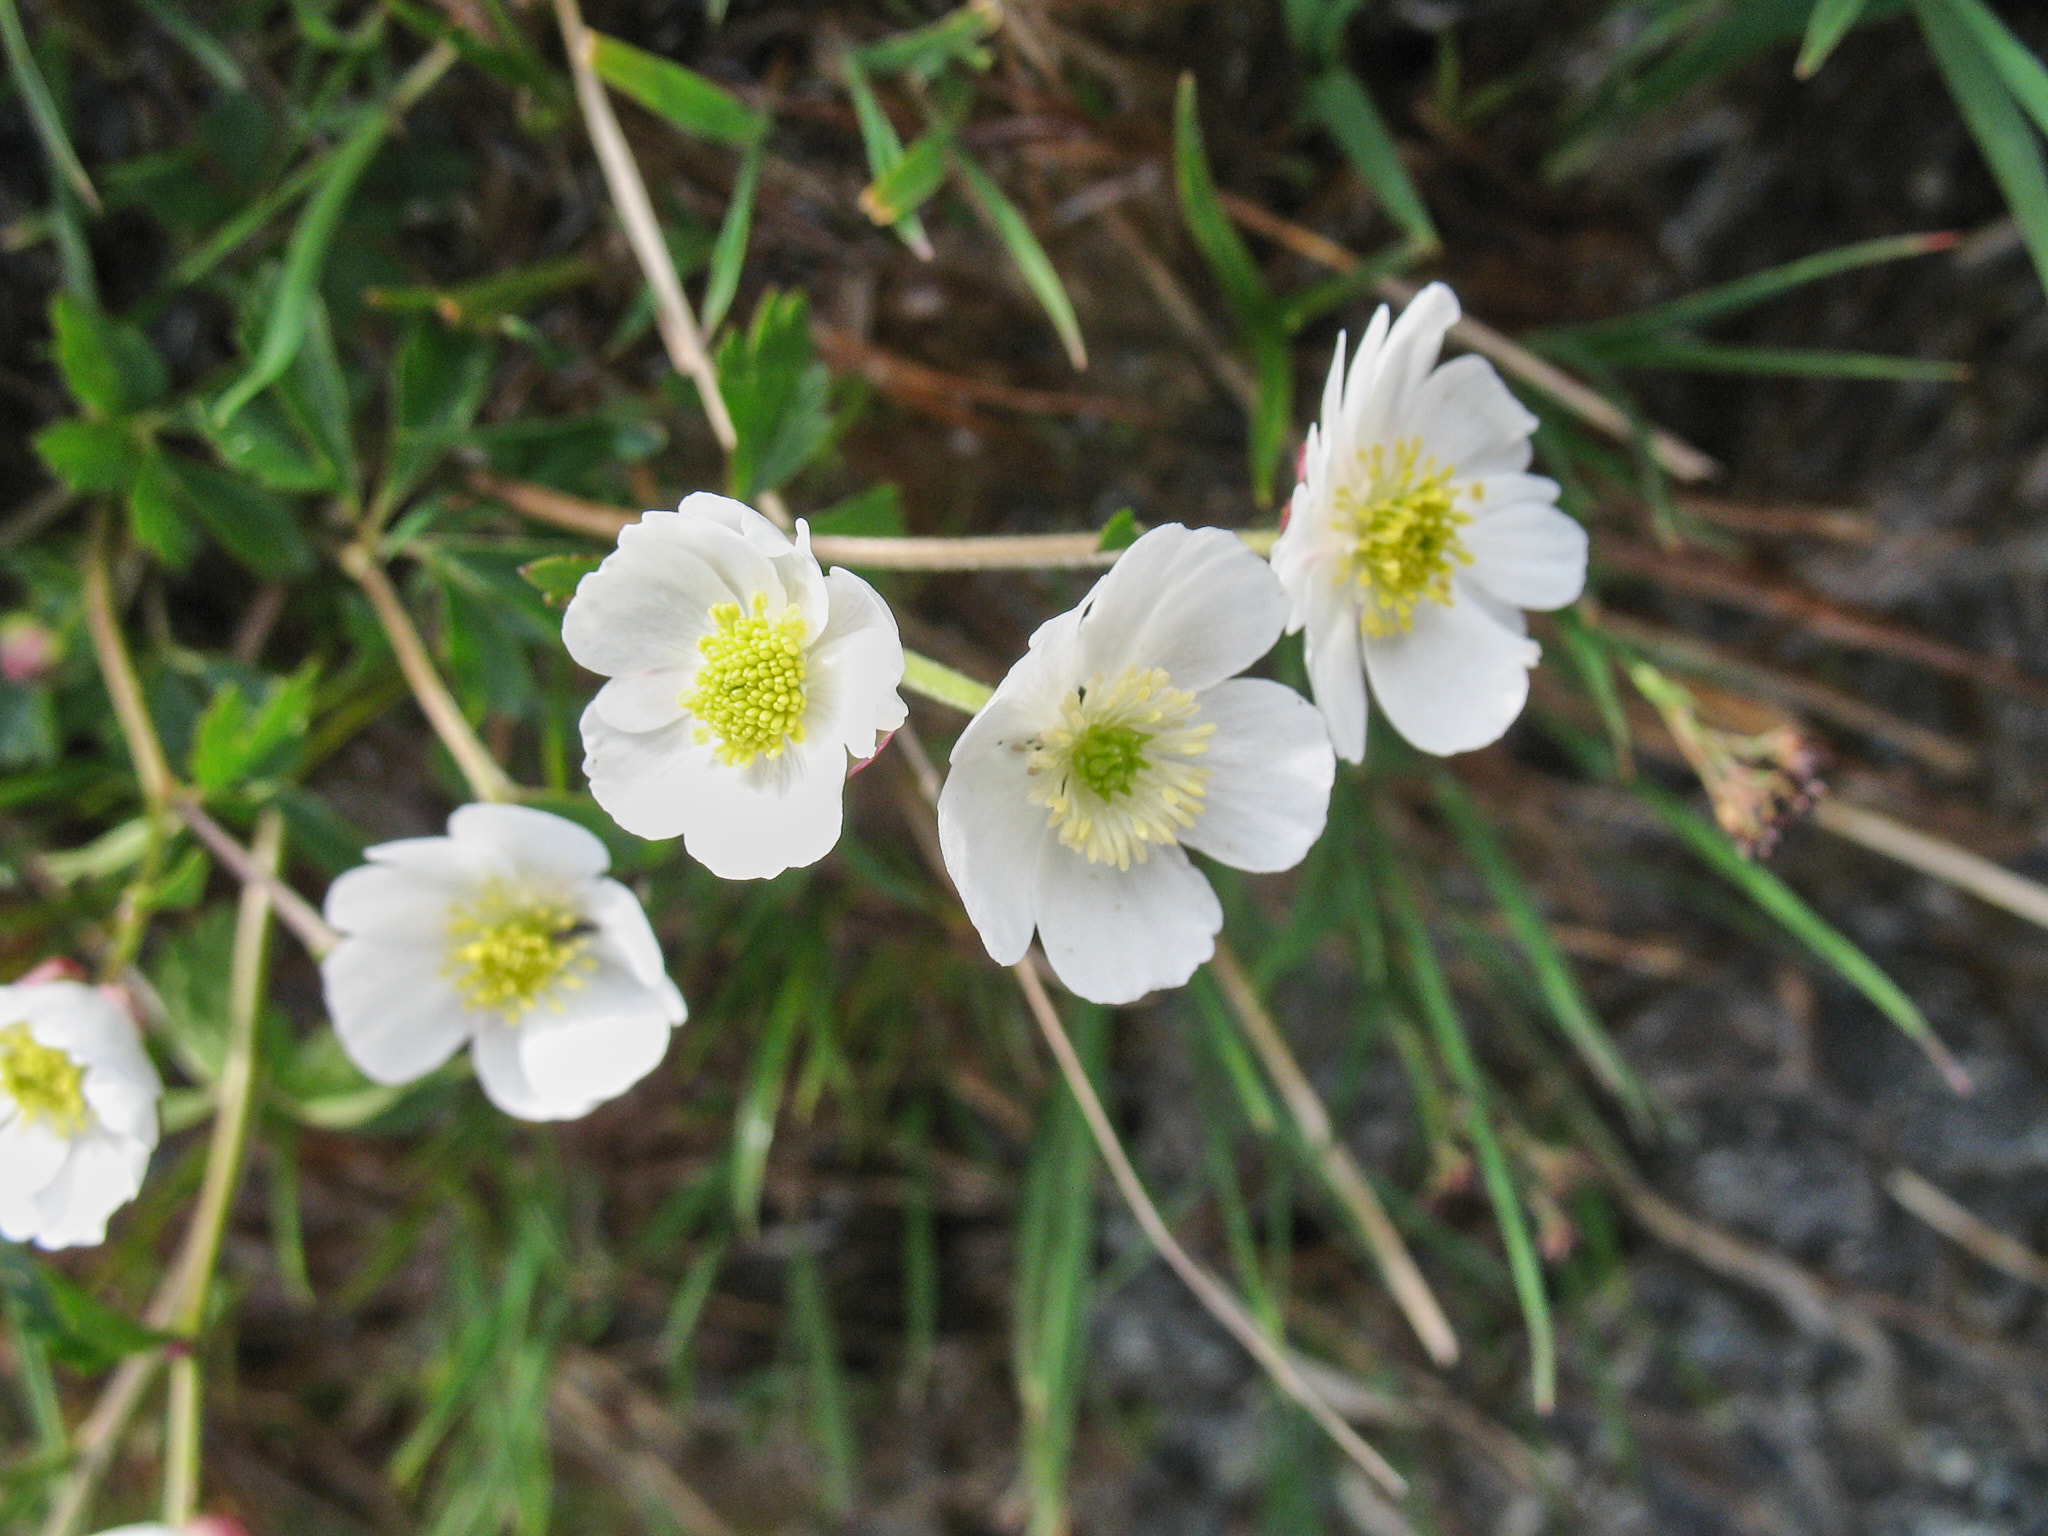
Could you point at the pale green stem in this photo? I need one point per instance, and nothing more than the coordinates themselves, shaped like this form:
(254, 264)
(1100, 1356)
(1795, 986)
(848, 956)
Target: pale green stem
(942, 685)
(224, 1157)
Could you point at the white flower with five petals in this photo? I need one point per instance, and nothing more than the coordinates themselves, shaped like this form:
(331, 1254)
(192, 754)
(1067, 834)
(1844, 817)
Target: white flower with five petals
(1416, 538)
(744, 680)
(78, 1103)
(1122, 739)
(506, 936)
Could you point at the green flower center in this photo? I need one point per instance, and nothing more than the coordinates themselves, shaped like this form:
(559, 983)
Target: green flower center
(749, 693)
(508, 950)
(1401, 511)
(44, 1082)
(1114, 773)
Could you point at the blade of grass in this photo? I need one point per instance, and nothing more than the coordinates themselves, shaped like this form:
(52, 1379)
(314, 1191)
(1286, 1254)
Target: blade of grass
(1433, 996)
(1229, 259)
(907, 185)
(681, 96)
(1032, 263)
(884, 148)
(761, 1098)
(1684, 355)
(1341, 104)
(1830, 21)
(730, 253)
(920, 1257)
(1560, 988)
(831, 1423)
(43, 115)
(2024, 74)
(2003, 134)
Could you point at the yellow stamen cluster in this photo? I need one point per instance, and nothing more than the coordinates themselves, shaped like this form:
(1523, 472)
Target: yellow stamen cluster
(1402, 514)
(509, 949)
(1113, 774)
(43, 1081)
(749, 693)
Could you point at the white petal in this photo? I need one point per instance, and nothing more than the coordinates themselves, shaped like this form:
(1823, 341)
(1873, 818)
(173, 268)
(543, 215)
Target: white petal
(989, 831)
(577, 1061)
(540, 845)
(1333, 387)
(644, 608)
(383, 899)
(854, 668)
(1192, 600)
(724, 512)
(30, 1156)
(1455, 681)
(396, 1015)
(1270, 770)
(101, 1175)
(1336, 669)
(740, 830)
(1403, 363)
(644, 701)
(1112, 934)
(1529, 554)
(1468, 420)
(643, 779)
(629, 937)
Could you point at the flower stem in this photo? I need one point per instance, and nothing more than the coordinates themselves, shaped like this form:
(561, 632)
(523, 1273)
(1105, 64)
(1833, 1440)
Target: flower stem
(487, 781)
(942, 685)
(117, 671)
(235, 1099)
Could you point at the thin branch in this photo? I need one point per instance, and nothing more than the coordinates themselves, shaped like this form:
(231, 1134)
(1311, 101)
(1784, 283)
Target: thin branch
(1677, 457)
(1965, 1228)
(1340, 1170)
(1211, 1292)
(487, 781)
(293, 910)
(1944, 861)
(117, 671)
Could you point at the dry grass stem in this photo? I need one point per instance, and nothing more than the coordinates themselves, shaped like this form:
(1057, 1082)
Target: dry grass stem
(1942, 860)
(1964, 1228)
(117, 671)
(1346, 1179)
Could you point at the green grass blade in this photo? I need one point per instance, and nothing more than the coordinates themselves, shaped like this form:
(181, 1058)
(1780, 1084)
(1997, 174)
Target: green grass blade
(681, 96)
(908, 184)
(1560, 988)
(1744, 292)
(1273, 412)
(1683, 355)
(1590, 658)
(42, 107)
(729, 255)
(884, 148)
(831, 1422)
(304, 260)
(1229, 258)
(2023, 74)
(1032, 262)
(1342, 106)
(1780, 902)
(679, 1328)
(920, 1255)
(924, 51)
(2002, 132)
(1830, 21)
(1433, 995)
(761, 1098)
(204, 47)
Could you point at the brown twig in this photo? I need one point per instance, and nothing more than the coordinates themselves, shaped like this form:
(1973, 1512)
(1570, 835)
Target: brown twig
(1937, 857)
(915, 382)
(1965, 1229)
(293, 910)
(1340, 1170)
(1678, 458)
(585, 1424)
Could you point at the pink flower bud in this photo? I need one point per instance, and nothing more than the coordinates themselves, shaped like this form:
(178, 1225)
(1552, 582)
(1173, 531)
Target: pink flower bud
(28, 648)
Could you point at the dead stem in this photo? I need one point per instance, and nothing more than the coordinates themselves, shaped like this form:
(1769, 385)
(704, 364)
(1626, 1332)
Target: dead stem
(293, 910)
(1932, 856)
(1966, 1229)
(1340, 1170)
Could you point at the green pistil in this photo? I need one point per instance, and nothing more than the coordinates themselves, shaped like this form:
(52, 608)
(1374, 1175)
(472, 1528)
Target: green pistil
(1108, 759)
(749, 694)
(505, 953)
(1404, 521)
(44, 1082)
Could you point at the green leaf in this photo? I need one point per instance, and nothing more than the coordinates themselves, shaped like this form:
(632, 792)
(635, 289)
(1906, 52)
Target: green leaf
(79, 1332)
(1229, 258)
(257, 527)
(875, 513)
(730, 253)
(315, 395)
(556, 577)
(156, 514)
(1680, 354)
(1341, 105)
(264, 443)
(682, 96)
(110, 368)
(776, 393)
(1030, 258)
(760, 1101)
(437, 386)
(1831, 19)
(1316, 27)
(831, 1422)
(91, 456)
(2024, 75)
(924, 51)
(908, 184)
(1272, 410)
(305, 258)
(1300, 310)
(233, 743)
(42, 108)
(1121, 531)
(884, 147)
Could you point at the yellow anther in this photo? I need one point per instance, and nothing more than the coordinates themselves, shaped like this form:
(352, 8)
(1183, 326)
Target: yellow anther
(508, 950)
(1401, 511)
(43, 1081)
(749, 693)
(1113, 774)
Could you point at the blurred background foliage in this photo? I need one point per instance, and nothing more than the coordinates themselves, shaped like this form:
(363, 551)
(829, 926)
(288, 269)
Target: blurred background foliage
(286, 281)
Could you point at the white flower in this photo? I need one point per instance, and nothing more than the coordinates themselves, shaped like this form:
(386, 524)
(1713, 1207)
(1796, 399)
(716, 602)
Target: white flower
(1121, 739)
(1416, 538)
(504, 934)
(77, 1113)
(742, 678)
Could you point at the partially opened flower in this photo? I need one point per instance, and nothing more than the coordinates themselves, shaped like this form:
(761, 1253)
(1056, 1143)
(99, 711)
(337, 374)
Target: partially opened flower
(1416, 538)
(744, 682)
(78, 1103)
(1120, 740)
(505, 936)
